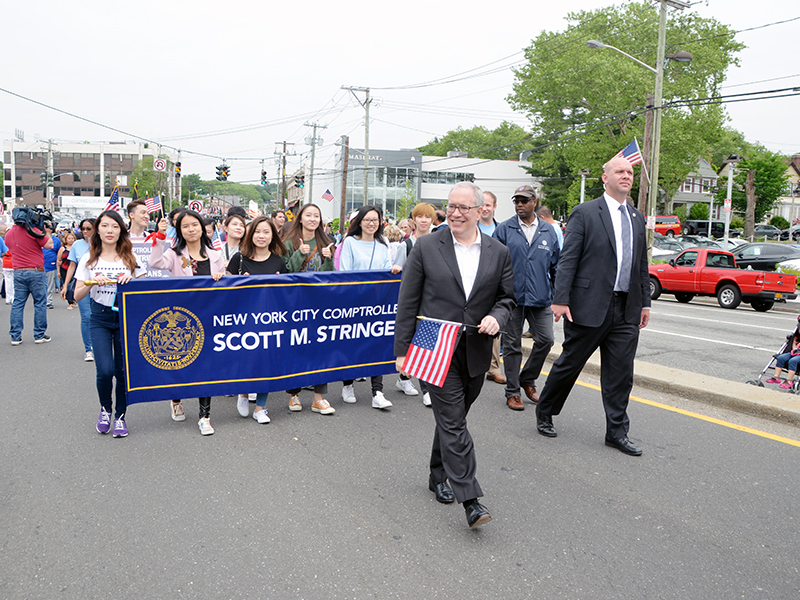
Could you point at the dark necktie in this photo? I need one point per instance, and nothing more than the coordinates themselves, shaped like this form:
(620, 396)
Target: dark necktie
(625, 268)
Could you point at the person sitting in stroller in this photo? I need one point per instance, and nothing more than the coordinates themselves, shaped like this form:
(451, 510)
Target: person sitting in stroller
(787, 359)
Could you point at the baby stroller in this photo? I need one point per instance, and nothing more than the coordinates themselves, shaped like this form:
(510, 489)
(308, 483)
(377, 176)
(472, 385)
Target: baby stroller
(787, 347)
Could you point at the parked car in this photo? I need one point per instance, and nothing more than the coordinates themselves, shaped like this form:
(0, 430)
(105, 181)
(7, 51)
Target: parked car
(706, 272)
(691, 227)
(697, 241)
(668, 225)
(666, 246)
(769, 232)
(794, 230)
(733, 243)
(764, 255)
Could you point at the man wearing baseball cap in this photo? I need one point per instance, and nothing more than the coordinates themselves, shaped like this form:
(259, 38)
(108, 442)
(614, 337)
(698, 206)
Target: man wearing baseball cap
(533, 244)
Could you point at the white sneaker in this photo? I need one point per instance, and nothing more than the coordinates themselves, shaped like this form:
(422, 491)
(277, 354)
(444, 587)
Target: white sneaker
(89, 356)
(243, 405)
(348, 394)
(405, 386)
(205, 426)
(177, 412)
(261, 416)
(294, 403)
(379, 401)
(426, 399)
(252, 397)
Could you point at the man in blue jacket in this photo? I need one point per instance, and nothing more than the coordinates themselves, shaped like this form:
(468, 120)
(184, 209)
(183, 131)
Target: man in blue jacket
(534, 248)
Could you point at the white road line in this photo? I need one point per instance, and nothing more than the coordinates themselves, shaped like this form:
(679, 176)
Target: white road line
(724, 322)
(694, 337)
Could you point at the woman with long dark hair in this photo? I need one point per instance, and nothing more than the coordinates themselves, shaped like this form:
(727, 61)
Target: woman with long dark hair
(191, 255)
(234, 227)
(79, 248)
(365, 249)
(109, 262)
(309, 249)
(260, 253)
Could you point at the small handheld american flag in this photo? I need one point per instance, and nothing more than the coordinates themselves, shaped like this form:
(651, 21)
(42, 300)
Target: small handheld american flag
(431, 350)
(153, 204)
(216, 241)
(113, 201)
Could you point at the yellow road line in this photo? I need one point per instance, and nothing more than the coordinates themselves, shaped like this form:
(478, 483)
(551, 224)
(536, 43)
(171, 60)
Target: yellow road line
(694, 415)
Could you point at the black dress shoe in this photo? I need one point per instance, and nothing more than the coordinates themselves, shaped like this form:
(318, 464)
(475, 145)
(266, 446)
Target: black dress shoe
(625, 446)
(444, 493)
(544, 425)
(476, 514)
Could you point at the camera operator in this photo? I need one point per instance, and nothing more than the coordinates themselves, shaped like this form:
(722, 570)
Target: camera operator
(27, 261)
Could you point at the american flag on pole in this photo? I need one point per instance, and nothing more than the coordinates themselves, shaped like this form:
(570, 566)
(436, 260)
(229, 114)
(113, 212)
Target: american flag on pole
(431, 350)
(631, 152)
(153, 204)
(113, 202)
(327, 195)
(2, 209)
(216, 241)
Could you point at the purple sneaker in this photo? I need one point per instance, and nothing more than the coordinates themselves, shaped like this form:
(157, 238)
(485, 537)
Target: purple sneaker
(104, 421)
(120, 429)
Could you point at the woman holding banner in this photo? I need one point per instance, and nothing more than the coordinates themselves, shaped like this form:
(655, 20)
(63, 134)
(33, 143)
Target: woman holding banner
(109, 262)
(191, 255)
(234, 227)
(260, 253)
(365, 249)
(308, 248)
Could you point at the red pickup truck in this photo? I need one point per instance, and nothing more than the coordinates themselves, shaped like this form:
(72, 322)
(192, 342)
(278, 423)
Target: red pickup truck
(709, 272)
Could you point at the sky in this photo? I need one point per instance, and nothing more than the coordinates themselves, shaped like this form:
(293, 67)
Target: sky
(230, 79)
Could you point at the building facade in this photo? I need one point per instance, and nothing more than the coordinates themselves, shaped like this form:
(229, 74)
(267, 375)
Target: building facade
(83, 175)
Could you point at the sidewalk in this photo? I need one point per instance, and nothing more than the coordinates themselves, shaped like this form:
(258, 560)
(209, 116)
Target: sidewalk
(741, 397)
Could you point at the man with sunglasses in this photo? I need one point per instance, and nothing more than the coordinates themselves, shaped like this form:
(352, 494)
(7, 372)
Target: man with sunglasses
(461, 275)
(533, 244)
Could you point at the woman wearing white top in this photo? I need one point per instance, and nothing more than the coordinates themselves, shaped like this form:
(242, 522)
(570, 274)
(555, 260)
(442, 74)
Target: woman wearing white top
(365, 249)
(109, 262)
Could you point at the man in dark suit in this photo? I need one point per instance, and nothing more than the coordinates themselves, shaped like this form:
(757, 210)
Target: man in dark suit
(457, 274)
(603, 290)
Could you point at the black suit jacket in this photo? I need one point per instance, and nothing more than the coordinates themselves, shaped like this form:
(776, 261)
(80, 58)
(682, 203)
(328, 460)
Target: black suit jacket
(431, 287)
(587, 268)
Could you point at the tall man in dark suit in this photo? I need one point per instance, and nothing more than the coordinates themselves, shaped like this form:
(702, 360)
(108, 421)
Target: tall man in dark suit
(457, 274)
(603, 290)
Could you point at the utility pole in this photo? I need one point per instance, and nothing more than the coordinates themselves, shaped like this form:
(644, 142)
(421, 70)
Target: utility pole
(346, 150)
(648, 140)
(50, 174)
(283, 172)
(365, 104)
(584, 173)
(314, 142)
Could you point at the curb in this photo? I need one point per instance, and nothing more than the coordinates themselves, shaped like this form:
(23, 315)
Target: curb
(741, 397)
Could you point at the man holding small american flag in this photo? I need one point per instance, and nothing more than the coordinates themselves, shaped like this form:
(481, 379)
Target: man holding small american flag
(461, 276)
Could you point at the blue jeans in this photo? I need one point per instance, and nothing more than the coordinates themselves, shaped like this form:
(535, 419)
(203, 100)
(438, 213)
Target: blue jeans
(85, 307)
(35, 284)
(783, 361)
(107, 344)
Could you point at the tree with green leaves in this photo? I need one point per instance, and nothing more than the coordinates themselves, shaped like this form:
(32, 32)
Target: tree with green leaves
(699, 212)
(770, 181)
(407, 201)
(732, 142)
(479, 142)
(587, 104)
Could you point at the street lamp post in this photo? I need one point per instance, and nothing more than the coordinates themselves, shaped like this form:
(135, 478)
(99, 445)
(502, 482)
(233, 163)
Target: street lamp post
(732, 160)
(661, 59)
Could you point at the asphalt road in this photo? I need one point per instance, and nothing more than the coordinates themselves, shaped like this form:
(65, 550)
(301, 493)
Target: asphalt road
(314, 506)
(702, 337)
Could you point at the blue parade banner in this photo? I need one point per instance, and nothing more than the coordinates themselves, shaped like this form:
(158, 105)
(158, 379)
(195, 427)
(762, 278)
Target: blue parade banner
(186, 337)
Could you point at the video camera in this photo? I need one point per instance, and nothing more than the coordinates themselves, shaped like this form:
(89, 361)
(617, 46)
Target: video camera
(34, 220)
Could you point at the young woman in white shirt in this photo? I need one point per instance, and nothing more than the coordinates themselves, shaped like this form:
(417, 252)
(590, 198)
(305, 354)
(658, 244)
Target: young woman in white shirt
(108, 263)
(365, 249)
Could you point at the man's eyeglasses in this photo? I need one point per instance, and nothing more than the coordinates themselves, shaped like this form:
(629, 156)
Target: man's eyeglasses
(521, 200)
(464, 210)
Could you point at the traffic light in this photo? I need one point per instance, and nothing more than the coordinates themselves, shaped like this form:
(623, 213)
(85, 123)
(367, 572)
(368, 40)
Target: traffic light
(220, 170)
(226, 170)
(299, 181)
(43, 179)
(177, 169)
(263, 178)
(302, 181)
